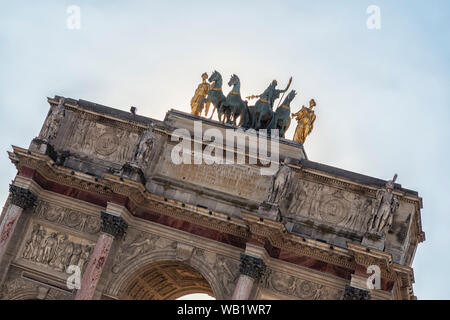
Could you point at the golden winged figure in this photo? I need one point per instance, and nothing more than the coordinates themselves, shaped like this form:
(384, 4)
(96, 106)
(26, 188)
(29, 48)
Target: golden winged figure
(305, 122)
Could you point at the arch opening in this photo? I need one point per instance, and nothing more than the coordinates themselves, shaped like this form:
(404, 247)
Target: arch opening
(165, 280)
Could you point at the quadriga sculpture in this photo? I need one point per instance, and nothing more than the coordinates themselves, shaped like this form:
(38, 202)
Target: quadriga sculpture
(281, 119)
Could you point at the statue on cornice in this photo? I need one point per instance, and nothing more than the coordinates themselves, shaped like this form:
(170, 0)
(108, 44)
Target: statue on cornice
(198, 101)
(280, 185)
(305, 122)
(53, 121)
(145, 147)
(386, 205)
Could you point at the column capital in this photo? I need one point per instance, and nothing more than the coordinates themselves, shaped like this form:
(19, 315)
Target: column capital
(252, 266)
(353, 293)
(21, 197)
(113, 225)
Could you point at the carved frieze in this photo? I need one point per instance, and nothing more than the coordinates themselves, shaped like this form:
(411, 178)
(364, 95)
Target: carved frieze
(300, 288)
(53, 249)
(234, 179)
(106, 142)
(19, 289)
(136, 245)
(68, 217)
(315, 201)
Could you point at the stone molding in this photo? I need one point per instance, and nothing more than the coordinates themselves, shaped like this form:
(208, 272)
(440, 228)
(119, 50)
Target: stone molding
(21, 197)
(113, 225)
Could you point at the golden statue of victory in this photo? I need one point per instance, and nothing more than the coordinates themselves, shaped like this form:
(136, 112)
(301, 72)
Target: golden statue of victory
(198, 101)
(305, 121)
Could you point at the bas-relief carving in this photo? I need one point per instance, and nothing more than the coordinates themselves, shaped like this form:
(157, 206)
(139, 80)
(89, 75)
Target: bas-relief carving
(309, 200)
(53, 122)
(68, 217)
(88, 137)
(135, 245)
(280, 185)
(307, 290)
(53, 249)
(21, 289)
(225, 269)
(238, 180)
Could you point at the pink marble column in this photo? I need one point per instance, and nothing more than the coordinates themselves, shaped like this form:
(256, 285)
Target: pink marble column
(112, 226)
(20, 200)
(243, 288)
(251, 269)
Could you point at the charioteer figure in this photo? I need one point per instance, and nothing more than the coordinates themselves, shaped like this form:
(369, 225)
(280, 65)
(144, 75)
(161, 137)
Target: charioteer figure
(263, 110)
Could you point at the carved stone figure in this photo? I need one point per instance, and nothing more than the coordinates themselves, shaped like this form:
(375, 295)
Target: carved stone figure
(32, 243)
(38, 240)
(198, 101)
(86, 251)
(76, 254)
(57, 261)
(145, 147)
(386, 205)
(53, 122)
(227, 273)
(280, 185)
(49, 246)
(305, 121)
(140, 245)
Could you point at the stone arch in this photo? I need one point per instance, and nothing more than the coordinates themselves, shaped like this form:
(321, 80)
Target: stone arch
(142, 266)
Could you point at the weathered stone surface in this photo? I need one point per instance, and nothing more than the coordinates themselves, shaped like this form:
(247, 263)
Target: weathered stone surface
(189, 223)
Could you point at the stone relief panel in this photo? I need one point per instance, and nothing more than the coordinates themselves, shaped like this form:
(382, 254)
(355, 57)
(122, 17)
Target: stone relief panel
(238, 180)
(314, 201)
(88, 137)
(225, 269)
(20, 289)
(303, 289)
(136, 245)
(53, 249)
(68, 217)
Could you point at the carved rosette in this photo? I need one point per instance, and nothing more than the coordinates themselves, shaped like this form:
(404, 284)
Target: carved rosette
(352, 293)
(251, 266)
(113, 225)
(21, 197)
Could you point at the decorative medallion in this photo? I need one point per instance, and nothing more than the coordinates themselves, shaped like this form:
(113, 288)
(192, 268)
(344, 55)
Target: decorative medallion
(333, 211)
(107, 144)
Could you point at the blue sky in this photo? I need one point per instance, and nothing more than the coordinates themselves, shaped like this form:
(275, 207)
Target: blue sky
(382, 95)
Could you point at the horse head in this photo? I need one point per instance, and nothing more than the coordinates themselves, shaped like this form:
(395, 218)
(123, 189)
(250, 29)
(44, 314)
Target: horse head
(215, 76)
(291, 95)
(233, 80)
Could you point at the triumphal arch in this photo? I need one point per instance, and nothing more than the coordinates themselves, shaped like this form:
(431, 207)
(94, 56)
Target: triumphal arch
(108, 196)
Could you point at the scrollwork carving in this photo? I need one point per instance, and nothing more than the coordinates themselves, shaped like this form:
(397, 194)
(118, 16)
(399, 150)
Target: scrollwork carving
(300, 288)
